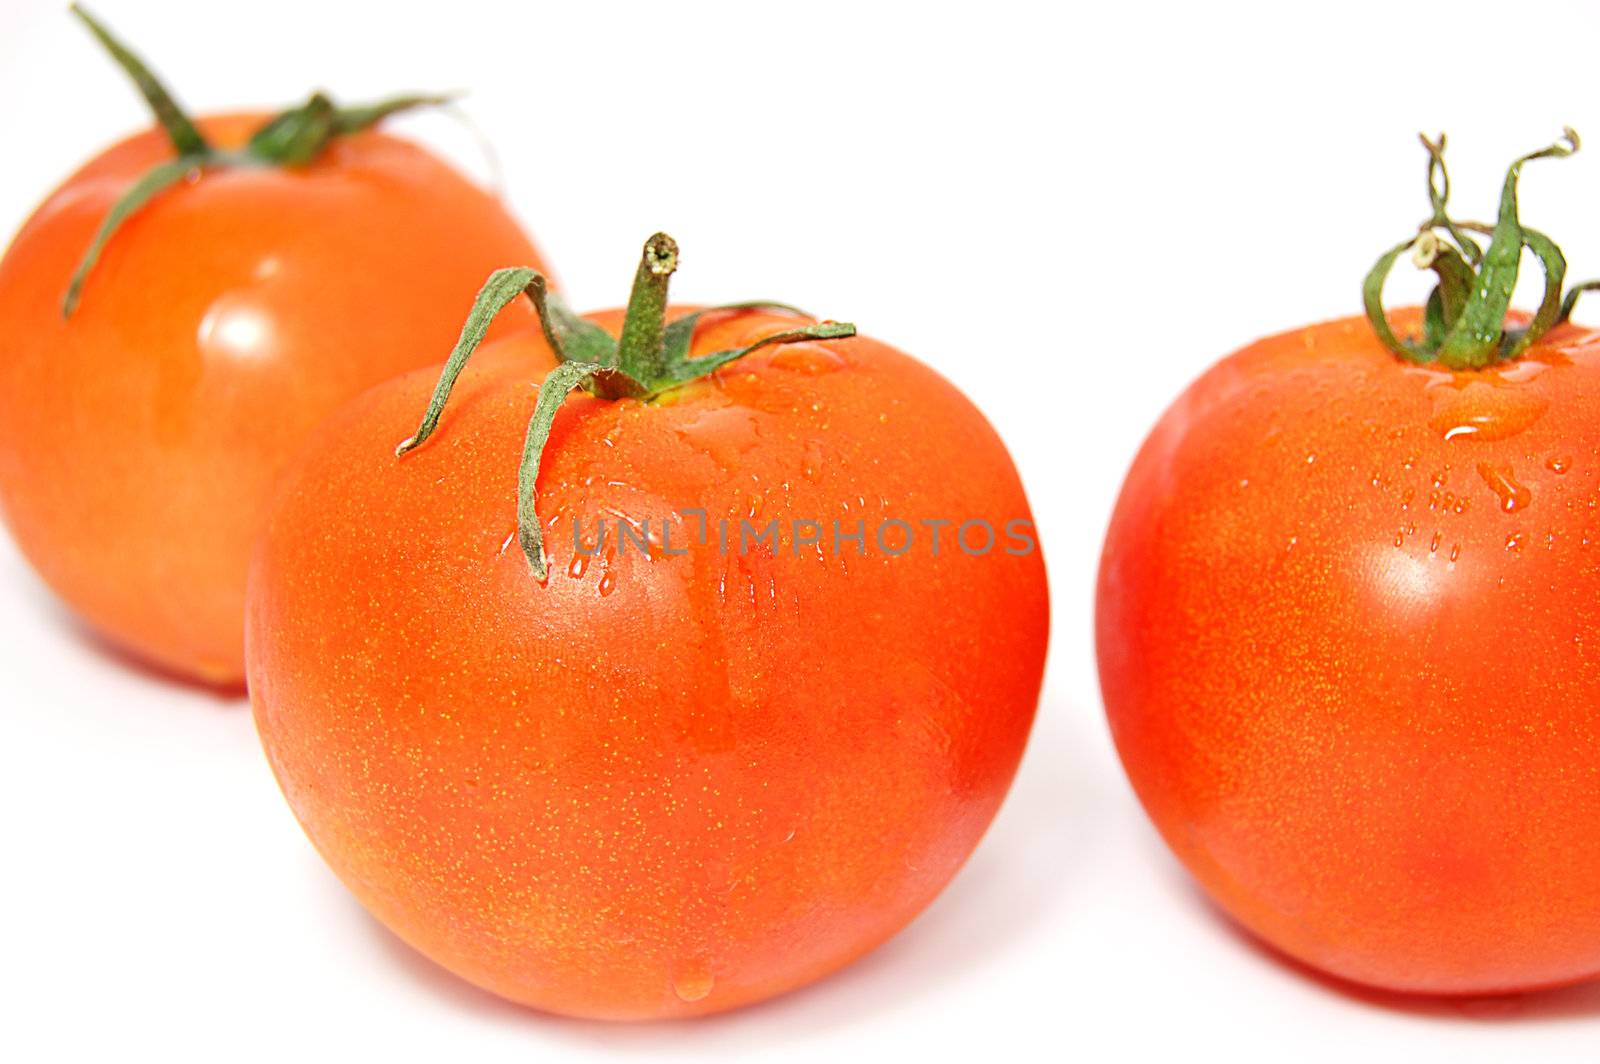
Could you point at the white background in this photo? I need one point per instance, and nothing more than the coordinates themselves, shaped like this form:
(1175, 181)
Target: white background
(1070, 215)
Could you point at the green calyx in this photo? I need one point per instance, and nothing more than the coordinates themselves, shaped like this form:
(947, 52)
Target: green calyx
(292, 138)
(650, 357)
(1464, 321)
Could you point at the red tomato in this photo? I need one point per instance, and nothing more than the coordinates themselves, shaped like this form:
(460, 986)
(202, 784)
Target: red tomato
(1347, 626)
(143, 434)
(651, 784)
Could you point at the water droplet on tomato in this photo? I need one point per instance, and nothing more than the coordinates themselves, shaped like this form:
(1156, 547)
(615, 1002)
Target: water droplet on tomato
(1514, 541)
(810, 359)
(811, 464)
(1481, 410)
(608, 582)
(1514, 496)
(693, 981)
(1558, 464)
(724, 433)
(578, 566)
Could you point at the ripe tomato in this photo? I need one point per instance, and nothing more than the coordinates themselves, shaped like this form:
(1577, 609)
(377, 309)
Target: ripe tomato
(1347, 624)
(225, 318)
(660, 783)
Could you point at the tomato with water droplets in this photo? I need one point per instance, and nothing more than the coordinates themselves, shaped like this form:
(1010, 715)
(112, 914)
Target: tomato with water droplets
(1360, 695)
(1348, 624)
(730, 721)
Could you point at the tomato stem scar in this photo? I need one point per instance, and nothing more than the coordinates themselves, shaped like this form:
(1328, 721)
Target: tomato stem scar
(651, 356)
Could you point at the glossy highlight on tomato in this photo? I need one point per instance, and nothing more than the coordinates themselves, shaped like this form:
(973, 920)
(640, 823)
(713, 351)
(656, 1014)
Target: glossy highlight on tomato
(648, 784)
(224, 320)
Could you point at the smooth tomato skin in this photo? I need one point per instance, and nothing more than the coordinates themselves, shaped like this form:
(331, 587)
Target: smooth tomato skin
(1347, 630)
(650, 787)
(141, 438)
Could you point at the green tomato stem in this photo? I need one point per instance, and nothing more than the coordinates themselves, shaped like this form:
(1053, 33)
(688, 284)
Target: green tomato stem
(650, 358)
(1464, 322)
(292, 138)
(639, 348)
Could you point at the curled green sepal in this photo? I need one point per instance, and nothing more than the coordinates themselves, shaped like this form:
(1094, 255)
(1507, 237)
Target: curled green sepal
(1439, 199)
(180, 128)
(294, 137)
(688, 369)
(143, 191)
(1548, 315)
(558, 384)
(1450, 295)
(1464, 319)
(650, 358)
(497, 293)
(1478, 337)
(297, 136)
(679, 333)
(1571, 301)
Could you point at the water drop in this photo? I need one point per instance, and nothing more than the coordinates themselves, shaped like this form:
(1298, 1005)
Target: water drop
(1480, 410)
(1558, 464)
(810, 359)
(724, 433)
(693, 981)
(1513, 495)
(608, 582)
(811, 465)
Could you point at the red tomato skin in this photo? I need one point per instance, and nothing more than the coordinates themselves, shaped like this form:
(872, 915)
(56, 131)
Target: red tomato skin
(649, 788)
(1348, 645)
(142, 437)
